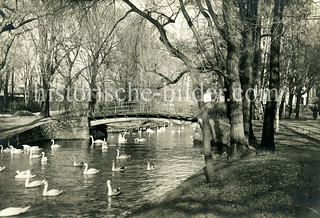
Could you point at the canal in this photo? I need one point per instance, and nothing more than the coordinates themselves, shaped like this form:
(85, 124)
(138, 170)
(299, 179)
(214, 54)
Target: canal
(173, 155)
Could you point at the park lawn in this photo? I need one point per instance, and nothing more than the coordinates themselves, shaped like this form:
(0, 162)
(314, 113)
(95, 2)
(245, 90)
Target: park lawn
(283, 184)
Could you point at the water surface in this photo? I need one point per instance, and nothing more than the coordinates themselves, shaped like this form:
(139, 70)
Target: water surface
(173, 155)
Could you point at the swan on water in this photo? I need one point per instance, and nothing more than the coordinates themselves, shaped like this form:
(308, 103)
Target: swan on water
(122, 156)
(119, 169)
(44, 159)
(7, 150)
(15, 150)
(149, 130)
(140, 139)
(104, 144)
(24, 174)
(89, 171)
(31, 148)
(149, 166)
(54, 145)
(121, 138)
(35, 148)
(13, 211)
(52, 192)
(33, 156)
(98, 141)
(112, 192)
(33, 184)
(26, 147)
(77, 163)
(2, 168)
(163, 128)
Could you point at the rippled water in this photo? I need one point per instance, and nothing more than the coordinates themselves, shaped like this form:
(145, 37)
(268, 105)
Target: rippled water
(173, 155)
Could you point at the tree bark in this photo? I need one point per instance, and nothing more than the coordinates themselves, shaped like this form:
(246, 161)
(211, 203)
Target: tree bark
(267, 140)
(45, 105)
(297, 110)
(282, 106)
(246, 80)
(291, 95)
(277, 118)
(238, 142)
(206, 129)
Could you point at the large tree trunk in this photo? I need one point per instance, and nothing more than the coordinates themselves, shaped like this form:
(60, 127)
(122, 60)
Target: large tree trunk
(267, 140)
(246, 80)
(206, 136)
(297, 110)
(237, 138)
(238, 142)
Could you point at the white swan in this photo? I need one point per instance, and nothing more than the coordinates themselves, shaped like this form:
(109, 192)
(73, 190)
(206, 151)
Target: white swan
(122, 156)
(33, 156)
(52, 192)
(149, 166)
(26, 147)
(13, 211)
(15, 150)
(104, 144)
(77, 163)
(98, 141)
(140, 139)
(54, 145)
(89, 171)
(121, 138)
(24, 174)
(163, 128)
(113, 192)
(33, 184)
(44, 159)
(7, 150)
(35, 148)
(149, 130)
(2, 168)
(119, 169)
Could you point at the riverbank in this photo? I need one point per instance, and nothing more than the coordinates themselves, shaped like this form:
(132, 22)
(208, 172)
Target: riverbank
(283, 184)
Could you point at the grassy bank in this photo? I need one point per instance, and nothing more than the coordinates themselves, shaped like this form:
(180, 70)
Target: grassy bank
(282, 184)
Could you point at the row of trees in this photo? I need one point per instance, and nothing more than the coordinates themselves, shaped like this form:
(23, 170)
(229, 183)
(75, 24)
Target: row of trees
(235, 45)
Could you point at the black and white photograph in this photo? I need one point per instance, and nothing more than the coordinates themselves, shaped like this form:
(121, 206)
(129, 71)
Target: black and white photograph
(160, 108)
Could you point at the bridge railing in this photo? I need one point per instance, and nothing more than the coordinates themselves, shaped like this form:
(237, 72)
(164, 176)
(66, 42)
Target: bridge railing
(152, 108)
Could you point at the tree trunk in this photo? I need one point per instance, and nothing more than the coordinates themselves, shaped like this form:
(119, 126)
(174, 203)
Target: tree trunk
(246, 79)
(45, 110)
(267, 140)
(277, 119)
(206, 136)
(282, 106)
(6, 91)
(297, 110)
(12, 84)
(308, 96)
(237, 138)
(291, 95)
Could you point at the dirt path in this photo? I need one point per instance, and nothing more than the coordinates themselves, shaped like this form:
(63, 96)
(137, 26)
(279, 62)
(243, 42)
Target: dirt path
(283, 184)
